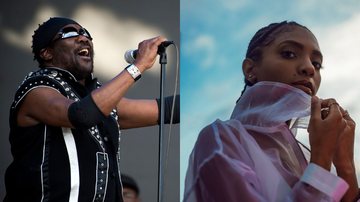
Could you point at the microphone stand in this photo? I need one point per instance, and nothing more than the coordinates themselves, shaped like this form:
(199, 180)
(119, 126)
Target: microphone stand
(163, 62)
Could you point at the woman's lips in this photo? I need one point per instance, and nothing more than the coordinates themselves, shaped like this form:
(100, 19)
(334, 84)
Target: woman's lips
(304, 86)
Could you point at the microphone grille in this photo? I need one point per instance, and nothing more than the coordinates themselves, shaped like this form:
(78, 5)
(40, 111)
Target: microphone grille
(129, 56)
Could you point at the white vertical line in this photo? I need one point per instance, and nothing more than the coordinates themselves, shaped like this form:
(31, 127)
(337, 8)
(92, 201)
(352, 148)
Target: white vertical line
(41, 167)
(74, 164)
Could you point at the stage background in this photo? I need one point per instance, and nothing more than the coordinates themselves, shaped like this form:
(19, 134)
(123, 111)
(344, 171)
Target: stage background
(116, 26)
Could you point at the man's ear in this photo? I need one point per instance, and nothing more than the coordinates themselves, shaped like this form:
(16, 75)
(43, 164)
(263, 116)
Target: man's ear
(46, 54)
(249, 70)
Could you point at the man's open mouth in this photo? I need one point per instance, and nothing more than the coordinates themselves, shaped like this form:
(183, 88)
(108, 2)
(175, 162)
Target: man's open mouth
(84, 52)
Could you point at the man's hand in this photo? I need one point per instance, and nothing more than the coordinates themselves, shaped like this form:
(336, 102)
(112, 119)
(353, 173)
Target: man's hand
(147, 52)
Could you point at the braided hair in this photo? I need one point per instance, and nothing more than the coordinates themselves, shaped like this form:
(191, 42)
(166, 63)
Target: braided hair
(264, 37)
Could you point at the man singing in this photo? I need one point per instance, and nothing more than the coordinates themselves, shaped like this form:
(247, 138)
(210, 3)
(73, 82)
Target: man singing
(64, 125)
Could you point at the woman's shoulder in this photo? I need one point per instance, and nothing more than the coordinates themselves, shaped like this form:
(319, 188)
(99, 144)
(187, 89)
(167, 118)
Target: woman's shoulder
(220, 128)
(219, 136)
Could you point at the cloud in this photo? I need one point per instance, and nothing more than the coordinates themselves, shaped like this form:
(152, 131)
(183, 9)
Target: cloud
(202, 47)
(23, 39)
(111, 35)
(234, 5)
(322, 9)
(341, 80)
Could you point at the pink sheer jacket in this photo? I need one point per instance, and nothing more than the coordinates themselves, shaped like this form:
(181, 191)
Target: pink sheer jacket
(254, 156)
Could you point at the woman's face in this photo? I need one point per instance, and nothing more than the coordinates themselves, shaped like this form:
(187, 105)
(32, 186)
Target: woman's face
(293, 58)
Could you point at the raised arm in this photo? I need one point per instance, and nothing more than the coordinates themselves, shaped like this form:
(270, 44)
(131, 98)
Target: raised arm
(50, 107)
(332, 141)
(109, 95)
(344, 158)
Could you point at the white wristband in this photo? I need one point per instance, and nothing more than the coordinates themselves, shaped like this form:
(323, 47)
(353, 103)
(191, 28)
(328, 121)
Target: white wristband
(134, 72)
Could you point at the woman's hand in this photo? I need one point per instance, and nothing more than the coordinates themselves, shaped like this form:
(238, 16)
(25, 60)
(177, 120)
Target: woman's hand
(324, 131)
(332, 135)
(344, 156)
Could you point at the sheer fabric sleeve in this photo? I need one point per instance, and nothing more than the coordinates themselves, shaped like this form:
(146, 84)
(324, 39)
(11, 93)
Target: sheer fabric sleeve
(227, 165)
(218, 175)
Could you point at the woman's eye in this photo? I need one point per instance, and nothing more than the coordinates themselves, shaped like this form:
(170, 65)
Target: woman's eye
(288, 54)
(317, 65)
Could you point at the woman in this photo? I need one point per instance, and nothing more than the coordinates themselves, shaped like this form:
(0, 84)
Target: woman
(254, 155)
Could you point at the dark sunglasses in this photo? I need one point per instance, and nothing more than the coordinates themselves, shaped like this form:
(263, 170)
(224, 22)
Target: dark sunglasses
(69, 32)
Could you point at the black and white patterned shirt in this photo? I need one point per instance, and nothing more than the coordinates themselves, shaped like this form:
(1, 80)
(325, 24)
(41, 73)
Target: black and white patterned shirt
(62, 164)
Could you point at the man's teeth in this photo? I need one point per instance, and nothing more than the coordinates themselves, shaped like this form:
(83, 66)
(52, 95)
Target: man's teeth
(84, 52)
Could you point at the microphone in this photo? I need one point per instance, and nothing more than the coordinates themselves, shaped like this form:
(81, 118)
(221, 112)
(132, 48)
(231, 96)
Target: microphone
(130, 55)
